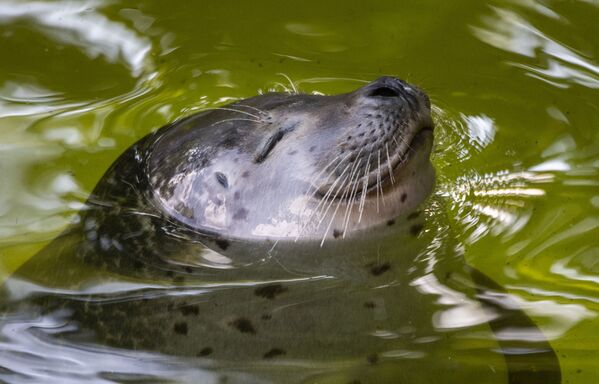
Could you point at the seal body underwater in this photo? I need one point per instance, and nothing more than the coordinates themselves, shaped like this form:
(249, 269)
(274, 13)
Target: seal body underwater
(284, 227)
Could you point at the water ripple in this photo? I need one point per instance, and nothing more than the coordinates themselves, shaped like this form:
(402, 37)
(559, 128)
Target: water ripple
(556, 63)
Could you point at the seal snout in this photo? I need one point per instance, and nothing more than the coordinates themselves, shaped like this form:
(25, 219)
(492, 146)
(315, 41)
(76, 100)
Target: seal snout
(390, 125)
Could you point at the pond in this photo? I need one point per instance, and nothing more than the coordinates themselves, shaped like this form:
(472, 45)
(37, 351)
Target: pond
(514, 92)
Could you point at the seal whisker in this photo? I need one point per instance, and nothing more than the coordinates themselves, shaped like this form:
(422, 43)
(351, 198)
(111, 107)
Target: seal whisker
(350, 204)
(329, 192)
(272, 248)
(356, 162)
(364, 188)
(379, 183)
(290, 82)
(317, 188)
(348, 188)
(323, 199)
(334, 212)
(339, 162)
(378, 179)
(389, 165)
(324, 236)
(345, 192)
(329, 79)
(339, 178)
(309, 198)
(353, 173)
(405, 142)
(252, 107)
(238, 119)
(232, 110)
(285, 88)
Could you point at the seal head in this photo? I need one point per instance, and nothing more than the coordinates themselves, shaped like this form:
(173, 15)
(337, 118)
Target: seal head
(297, 167)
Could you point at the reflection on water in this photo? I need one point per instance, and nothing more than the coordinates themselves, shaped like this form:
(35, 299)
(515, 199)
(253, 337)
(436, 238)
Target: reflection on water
(557, 65)
(494, 203)
(517, 158)
(78, 23)
(32, 355)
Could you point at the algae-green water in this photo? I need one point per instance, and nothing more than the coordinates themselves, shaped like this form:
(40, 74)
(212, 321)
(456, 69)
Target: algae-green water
(515, 93)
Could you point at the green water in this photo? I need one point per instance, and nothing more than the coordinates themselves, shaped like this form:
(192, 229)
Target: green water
(514, 84)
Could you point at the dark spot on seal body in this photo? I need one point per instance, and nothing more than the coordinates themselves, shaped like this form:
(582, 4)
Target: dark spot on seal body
(273, 353)
(222, 179)
(185, 210)
(180, 328)
(413, 215)
(312, 148)
(416, 229)
(337, 233)
(222, 244)
(378, 269)
(205, 352)
(369, 305)
(178, 279)
(240, 214)
(404, 196)
(372, 359)
(270, 291)
(192, 309)
(391, 222)
(243, 325)
(229, 142)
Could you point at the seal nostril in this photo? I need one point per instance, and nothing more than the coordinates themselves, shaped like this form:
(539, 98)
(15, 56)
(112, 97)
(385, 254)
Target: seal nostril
(384, 92)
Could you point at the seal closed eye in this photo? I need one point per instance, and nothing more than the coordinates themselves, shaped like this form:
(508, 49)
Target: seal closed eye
(271, 142)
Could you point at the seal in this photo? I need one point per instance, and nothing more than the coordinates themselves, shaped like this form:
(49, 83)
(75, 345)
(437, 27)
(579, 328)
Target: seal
(308, 209)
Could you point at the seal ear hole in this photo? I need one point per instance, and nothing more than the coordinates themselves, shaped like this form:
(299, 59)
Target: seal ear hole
(384, 92)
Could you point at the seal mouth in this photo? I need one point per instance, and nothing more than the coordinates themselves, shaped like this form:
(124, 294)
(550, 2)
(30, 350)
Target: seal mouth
(384, 175)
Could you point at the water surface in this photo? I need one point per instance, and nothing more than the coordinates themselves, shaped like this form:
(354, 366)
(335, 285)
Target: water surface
(514, 87)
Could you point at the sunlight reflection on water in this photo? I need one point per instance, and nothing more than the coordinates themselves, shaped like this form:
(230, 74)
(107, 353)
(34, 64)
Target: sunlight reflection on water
(556, 64)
